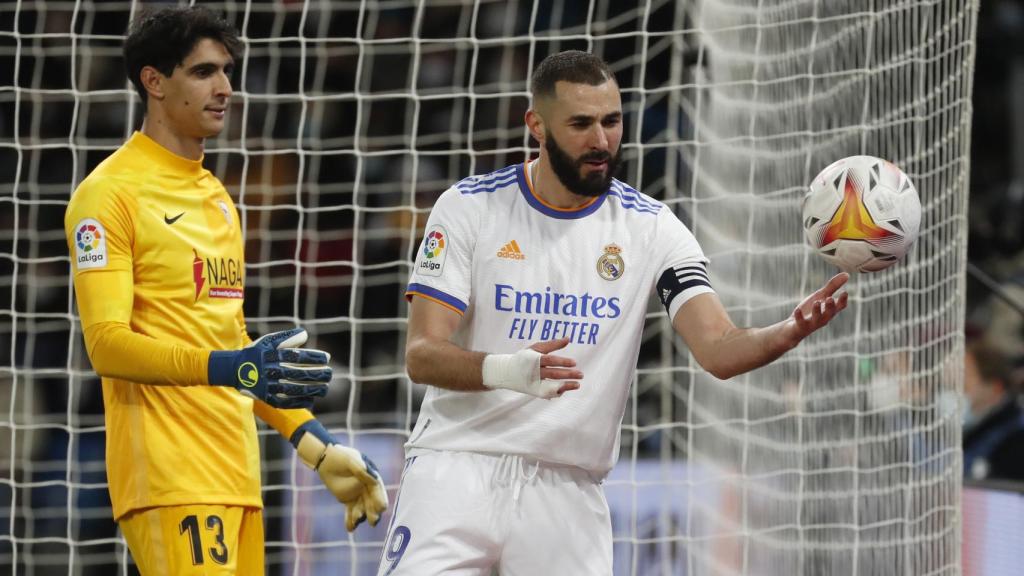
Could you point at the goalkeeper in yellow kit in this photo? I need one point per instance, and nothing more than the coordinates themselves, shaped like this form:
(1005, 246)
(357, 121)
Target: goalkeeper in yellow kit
(156, 251)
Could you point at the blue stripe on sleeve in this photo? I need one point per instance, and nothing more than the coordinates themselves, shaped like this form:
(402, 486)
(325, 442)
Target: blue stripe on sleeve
(489, 186)
(474, 182)
(436, 294)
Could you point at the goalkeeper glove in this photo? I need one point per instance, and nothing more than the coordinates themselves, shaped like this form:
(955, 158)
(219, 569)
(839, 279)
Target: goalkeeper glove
(347, 473)
(273, 370)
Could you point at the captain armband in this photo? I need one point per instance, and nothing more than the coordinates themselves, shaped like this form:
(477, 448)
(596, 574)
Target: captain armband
(678, 279)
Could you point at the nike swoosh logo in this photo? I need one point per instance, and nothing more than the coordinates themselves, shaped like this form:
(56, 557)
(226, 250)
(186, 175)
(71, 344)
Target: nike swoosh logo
(172, 220)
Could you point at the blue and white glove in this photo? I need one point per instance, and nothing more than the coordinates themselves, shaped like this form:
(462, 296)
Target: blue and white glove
(346, 472)
(274, 370)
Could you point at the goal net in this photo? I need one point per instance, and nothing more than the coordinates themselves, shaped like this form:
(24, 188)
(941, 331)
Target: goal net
(350, 117)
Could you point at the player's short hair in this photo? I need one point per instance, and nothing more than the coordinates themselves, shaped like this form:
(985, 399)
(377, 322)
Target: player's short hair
(163, 39)
(572, 66)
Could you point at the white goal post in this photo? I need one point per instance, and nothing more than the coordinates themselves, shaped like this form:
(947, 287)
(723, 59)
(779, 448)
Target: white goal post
(350, 117)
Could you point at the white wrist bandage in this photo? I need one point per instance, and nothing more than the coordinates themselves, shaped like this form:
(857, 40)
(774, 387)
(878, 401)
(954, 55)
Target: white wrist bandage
(519, 372)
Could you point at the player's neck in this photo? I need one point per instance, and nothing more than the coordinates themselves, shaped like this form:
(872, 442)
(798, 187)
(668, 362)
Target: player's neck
(157, 127)
(549, 188)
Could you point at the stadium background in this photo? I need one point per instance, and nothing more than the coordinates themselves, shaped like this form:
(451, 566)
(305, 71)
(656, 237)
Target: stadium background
(317, 153)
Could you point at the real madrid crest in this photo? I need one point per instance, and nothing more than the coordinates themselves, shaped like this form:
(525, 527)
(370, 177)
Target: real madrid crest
(610, 265)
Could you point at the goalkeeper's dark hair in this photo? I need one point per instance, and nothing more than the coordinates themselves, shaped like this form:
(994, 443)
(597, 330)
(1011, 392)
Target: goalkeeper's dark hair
(572, 66)
(164, 38)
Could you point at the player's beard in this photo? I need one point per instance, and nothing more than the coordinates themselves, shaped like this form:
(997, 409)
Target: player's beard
(568, 169)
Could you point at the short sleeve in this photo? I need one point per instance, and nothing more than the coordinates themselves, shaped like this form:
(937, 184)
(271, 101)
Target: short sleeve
(444, 260)
(683, 272)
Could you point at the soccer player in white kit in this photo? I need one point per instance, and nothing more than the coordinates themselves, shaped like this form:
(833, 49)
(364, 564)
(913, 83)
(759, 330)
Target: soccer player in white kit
(555, 255)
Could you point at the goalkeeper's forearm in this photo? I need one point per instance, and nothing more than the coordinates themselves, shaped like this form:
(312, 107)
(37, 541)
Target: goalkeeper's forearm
(116, 351)
(285, 420)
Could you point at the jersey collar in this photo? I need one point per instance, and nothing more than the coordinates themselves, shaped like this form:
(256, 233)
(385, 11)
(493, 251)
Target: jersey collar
(165, 157)
(538, 203)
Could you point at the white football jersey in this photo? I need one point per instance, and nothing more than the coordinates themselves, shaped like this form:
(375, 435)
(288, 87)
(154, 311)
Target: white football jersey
(521, 271)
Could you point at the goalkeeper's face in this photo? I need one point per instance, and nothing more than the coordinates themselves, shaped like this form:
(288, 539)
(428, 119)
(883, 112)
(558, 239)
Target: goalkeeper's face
(583, 130)
(197, 92)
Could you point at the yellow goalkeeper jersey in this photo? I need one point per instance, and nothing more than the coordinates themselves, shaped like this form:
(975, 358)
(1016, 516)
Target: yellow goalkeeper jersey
(156, 248)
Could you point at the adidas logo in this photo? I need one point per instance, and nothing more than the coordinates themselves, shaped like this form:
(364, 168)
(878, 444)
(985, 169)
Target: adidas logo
(511, 251)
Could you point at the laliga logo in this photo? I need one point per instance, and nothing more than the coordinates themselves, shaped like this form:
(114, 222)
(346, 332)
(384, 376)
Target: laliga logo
(89, 244)
(433, 245)
(433, 248)
(88, 237)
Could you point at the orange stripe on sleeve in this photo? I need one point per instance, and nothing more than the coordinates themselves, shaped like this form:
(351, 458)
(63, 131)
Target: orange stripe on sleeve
(408, 296)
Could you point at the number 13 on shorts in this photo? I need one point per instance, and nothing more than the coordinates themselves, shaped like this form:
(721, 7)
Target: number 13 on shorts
(219, 552)
(198, 539)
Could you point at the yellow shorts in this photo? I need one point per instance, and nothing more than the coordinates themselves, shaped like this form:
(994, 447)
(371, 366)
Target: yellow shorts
(198, 539)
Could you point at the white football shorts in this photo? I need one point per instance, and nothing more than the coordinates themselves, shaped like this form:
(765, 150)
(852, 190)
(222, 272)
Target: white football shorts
(469, 514)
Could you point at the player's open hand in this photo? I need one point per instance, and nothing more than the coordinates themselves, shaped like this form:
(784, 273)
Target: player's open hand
(820, 307)
(534, 370)
(558, 367)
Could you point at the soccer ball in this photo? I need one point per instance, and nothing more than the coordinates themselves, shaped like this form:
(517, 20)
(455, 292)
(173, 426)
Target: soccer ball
(861, 214)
